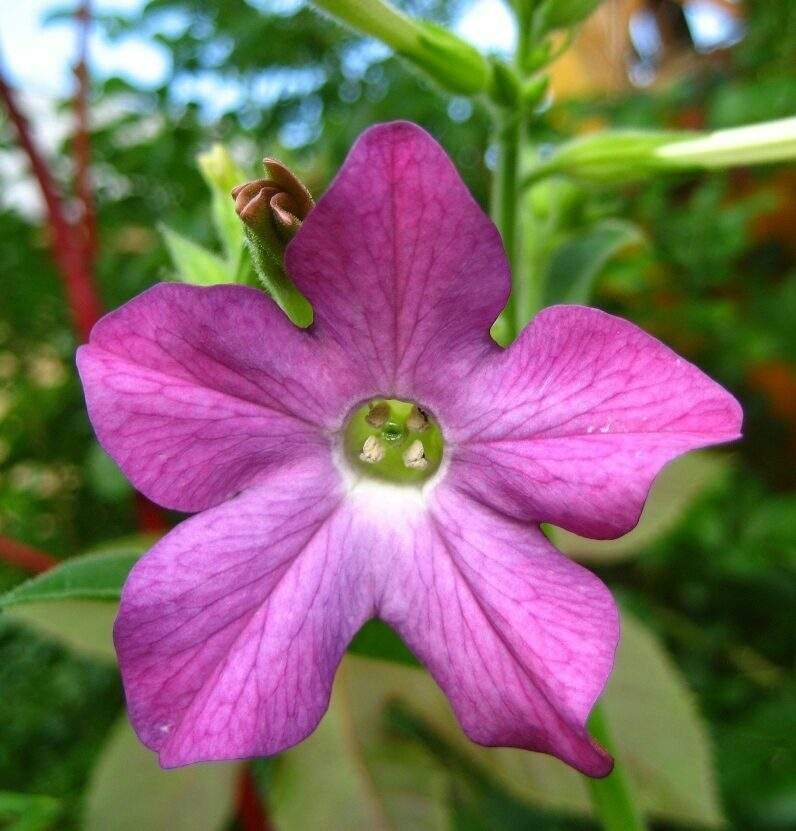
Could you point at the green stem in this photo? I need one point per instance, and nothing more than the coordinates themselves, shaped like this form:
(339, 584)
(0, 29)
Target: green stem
(506, 188)
(505, 197)
(612, 797)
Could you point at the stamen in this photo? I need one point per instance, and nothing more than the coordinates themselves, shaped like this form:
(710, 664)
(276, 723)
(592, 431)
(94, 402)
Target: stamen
(417, 420)
(372, 450)
(382, 440)
(415, 456)
(378, 414)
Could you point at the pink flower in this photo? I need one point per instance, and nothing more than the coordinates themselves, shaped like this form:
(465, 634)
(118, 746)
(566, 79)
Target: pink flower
(231, 627)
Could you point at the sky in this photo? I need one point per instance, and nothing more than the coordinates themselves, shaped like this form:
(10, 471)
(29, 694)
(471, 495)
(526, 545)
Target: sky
(39, 56)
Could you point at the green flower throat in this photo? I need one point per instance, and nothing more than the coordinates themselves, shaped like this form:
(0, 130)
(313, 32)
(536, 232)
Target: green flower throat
(394, 441)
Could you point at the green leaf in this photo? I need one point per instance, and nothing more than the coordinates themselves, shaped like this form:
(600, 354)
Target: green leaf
(574, 266)
(195, 264)
(221, 175)
(96, 576)
(758, 755)
(659, 731)
(129, 791)
(350, 776)
(85, 626)
(70, 603)
(677, 485)
(28, 812)
(654, 722)
(551, 15)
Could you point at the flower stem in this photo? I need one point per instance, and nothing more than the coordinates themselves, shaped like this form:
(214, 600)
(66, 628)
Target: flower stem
(612, 797)
(507, 188)
(21, 555)
(505, 197)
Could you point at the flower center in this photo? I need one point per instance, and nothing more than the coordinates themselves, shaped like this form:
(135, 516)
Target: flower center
(395, 441)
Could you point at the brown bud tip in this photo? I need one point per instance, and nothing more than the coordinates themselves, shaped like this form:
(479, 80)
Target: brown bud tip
(293, 186)
(278, 204)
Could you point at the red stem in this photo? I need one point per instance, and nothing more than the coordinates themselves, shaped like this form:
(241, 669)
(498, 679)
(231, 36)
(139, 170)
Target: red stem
(251, 814)
(24, 556)
(83, 300)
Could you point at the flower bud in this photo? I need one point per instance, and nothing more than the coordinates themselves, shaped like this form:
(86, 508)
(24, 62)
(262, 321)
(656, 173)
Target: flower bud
(766, 142)
(221, 172)
(273, 207)
(272, 210)
(622, 155)
(448, 60)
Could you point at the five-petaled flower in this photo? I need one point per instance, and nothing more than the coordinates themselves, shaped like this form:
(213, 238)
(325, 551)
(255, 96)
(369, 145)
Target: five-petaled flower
(230, 629)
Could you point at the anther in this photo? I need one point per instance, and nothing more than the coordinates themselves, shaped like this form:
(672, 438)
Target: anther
(378, 414)
(417, 420)
(415, 456)
(372, 450)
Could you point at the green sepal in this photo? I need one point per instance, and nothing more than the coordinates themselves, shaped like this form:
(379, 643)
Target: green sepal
(534, 90)
(272, 276)
(505, 87)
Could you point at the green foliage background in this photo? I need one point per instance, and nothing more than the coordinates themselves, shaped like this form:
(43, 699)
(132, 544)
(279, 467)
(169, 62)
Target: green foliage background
(716, 280)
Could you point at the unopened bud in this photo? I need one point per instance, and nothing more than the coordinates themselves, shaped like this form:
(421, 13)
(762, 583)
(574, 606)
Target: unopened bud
(276, 205)
(272, 210)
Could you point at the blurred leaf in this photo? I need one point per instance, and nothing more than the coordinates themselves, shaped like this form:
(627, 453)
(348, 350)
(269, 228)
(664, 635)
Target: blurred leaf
(104, 477)
(659, 731)
(194, 264)
(28, 812)
(221, 175)
(83, 625)
(655, 724)
(759, 762)
(130, 792)
(575, 265)
(672, 492)
(364, 778)
(55, 711)
(560, 14)
(376, 640)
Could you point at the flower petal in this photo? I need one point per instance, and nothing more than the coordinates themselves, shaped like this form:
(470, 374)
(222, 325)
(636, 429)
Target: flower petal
(231, 627)
(197, 392)
(401, 265)
(520, 638)
(579, 416)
